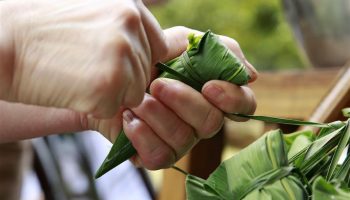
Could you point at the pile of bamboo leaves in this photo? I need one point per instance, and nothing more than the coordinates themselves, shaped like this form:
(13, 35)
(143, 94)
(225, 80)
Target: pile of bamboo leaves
(300, 165)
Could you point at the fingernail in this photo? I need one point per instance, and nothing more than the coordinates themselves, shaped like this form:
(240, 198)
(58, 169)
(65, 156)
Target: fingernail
(253, 73)
(128, 116)
(214, 92)
(161, 89)
(167, 80)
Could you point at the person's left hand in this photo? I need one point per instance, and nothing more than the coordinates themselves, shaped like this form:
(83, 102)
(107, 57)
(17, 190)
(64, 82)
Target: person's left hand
(174, 117)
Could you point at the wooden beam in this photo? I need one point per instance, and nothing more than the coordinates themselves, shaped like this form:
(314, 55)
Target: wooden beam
(338, 98)
(293, 94)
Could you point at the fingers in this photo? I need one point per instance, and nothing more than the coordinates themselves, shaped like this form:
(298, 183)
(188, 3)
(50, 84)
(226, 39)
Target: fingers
(154, 153)
(168, 126)
(230, 98)
(189, 105)
(177, 41)
(235, 48)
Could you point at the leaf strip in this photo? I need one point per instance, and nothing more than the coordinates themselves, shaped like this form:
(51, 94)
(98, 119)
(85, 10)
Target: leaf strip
(281, 120)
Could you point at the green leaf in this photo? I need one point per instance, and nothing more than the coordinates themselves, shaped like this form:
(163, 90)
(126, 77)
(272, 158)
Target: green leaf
(332, 127)
(344, 170)
(322, 190)
(343, 142)
(319, 150)
(290, 138)
(196, 190)
(346, 112)
(280, 120)
(240, 177)
(122, 150)
(298, 145)
(208, 59)
(194, 84)
(286, 188)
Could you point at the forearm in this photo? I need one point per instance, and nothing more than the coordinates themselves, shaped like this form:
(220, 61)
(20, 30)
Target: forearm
(19, 121)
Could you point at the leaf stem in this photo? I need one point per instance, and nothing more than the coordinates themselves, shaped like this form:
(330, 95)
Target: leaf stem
(180, 170)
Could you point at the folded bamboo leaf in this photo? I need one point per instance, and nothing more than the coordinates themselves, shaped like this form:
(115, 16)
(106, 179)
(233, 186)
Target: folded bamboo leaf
(343, 142)
(206, 58)
(196, 189)
(322, 190)
(268, 151)
(241, 178)
(287, 188)
(276, 177)
(266, 179)
(241, 169)
(116, 155)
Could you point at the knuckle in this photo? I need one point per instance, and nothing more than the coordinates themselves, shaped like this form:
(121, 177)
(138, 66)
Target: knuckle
(114, 47)
(235, 44)
(182, 29)
(211, 124)
(149, 104)
(183, 136)
(132, 16)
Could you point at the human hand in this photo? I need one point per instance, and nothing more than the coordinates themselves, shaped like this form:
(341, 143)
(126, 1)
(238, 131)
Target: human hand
(171, 120)
(90, 56)
(166, 125)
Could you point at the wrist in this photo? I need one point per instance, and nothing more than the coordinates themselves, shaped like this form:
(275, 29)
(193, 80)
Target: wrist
(6, 51)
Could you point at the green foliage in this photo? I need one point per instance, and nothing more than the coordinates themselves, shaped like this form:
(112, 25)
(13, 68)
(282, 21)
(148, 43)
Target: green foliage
(264, 169)
(259, 26)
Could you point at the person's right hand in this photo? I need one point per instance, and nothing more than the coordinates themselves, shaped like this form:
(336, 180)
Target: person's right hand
(87, 55)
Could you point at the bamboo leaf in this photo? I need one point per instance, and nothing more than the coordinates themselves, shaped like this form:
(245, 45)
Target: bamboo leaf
(298, 145)
(319, 150)
(280, 120)
(286, 188)
(344, 170)
(322, 190)
(343, 142)
(208, 59)
(194, 84)
(332, 127)
(196, 190)
(346, 112)
(122, 150)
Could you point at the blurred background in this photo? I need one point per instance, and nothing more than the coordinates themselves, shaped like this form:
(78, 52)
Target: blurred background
(300, 48)
(259, 26)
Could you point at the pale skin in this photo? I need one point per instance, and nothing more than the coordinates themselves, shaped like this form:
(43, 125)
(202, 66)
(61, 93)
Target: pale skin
(106, 92)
